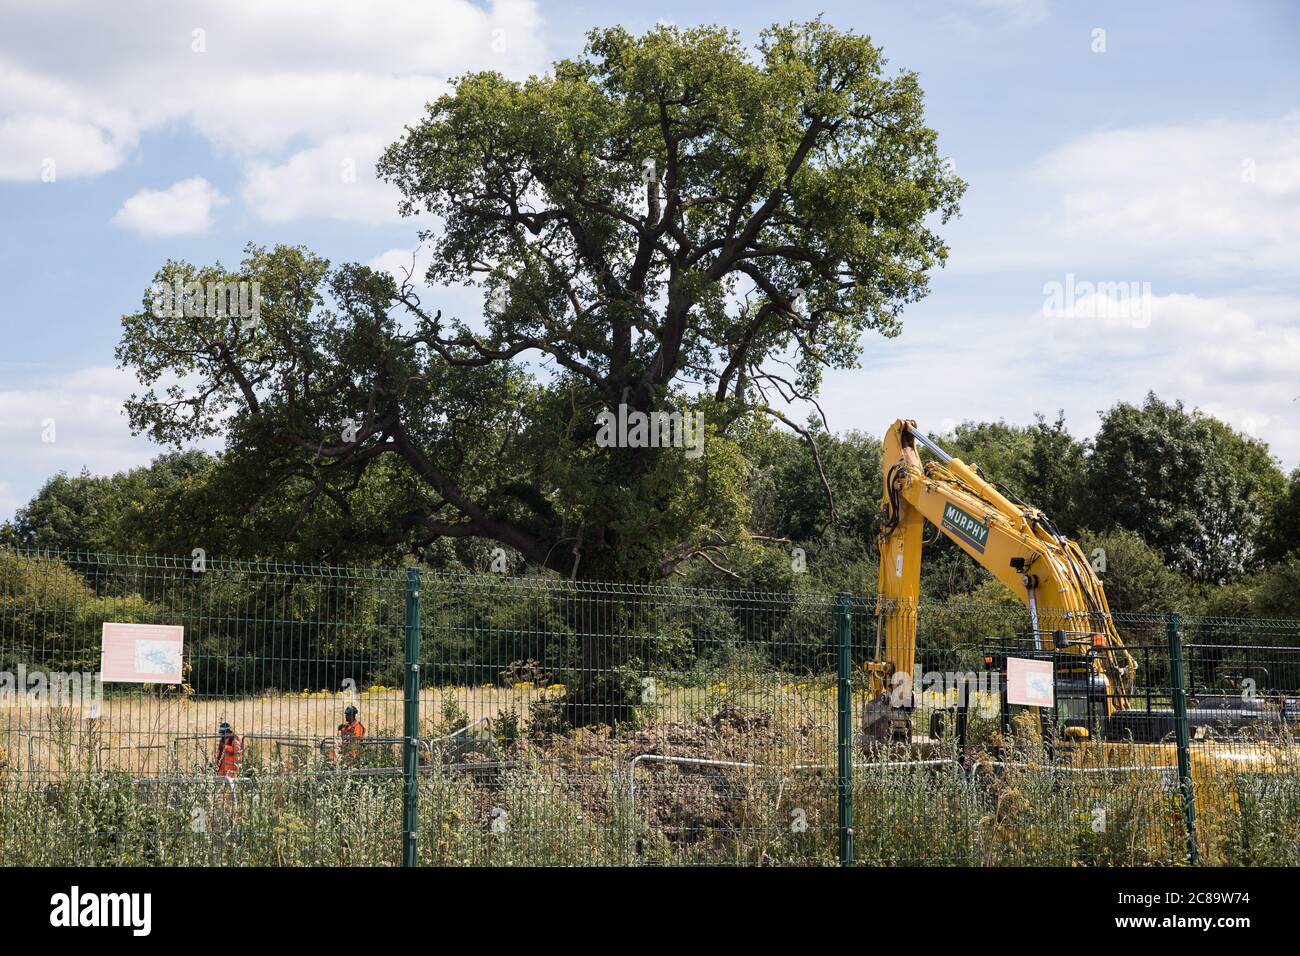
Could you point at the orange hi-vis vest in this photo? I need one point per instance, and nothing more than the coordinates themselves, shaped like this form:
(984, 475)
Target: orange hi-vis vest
(356, 730)
(228, 756)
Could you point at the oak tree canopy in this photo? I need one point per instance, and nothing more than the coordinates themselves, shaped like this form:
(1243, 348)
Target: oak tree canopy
(669, 221)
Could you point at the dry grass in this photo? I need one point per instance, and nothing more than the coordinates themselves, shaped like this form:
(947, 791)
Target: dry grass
(156, 734)
(567, 795)
(160, 733)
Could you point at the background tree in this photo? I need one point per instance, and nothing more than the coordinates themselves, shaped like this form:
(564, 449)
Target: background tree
(1277, 590)
(1280, 535)
(106, 513)
(1193, 488)
(849, 465)
(1052, 474)
(1135, 577)
(1042, 463)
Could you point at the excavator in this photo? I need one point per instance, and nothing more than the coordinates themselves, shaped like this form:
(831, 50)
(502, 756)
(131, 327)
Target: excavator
(1069, 620)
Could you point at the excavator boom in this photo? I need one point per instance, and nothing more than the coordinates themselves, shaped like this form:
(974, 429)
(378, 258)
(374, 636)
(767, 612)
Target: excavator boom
(1014, 541)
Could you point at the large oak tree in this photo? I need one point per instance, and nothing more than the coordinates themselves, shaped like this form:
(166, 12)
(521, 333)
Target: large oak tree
(668, 221)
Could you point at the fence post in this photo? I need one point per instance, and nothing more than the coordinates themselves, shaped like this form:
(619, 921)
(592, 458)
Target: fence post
(844, 727)
(411, 722)
(1178, 690)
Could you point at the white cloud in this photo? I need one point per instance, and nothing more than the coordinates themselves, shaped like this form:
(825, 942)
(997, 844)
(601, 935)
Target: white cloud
(335, 180)
(9, 502)
(1235, 357)
(51, 130)
(1206, 214)
(260, 113)
(183, 209)
(267, 87)
(81, 410)
(1214, 198)
(39, 147)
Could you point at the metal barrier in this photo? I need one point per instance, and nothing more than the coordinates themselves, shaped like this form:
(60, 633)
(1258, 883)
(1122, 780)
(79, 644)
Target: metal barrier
(566, 688)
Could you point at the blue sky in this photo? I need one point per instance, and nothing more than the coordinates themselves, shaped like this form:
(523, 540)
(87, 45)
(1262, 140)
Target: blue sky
(1162, 154)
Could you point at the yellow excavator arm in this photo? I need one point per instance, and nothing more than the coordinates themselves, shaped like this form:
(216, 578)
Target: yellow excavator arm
(1016, 542)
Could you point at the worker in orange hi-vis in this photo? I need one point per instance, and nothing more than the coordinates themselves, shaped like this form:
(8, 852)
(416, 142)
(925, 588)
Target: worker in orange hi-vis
(350, 731)
(229, 751)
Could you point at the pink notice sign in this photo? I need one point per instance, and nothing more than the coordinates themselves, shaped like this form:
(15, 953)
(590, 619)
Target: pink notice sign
(1030, 683)
(142, 653)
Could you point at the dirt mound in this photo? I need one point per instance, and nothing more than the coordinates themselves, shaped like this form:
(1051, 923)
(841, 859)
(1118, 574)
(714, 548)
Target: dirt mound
(731, 719)
(683, 801)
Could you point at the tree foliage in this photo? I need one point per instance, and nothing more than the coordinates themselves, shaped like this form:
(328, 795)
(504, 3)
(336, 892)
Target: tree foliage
(1193, 488)
(1135, 576)
(1280, 534)
(659, 223)
(794, 540)
(115, 513)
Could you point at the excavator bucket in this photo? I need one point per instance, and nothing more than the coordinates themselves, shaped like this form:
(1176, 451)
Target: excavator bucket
(884, 724)
(875, 721)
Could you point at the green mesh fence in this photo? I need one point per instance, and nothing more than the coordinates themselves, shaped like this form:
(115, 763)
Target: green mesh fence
(562, 723)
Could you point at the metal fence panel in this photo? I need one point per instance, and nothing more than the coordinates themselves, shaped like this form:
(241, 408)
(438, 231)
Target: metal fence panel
(549, 722)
